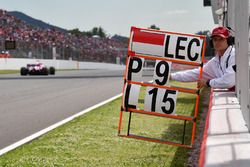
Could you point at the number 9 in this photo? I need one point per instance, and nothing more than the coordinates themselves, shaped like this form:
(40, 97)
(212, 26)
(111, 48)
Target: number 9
(160, 73)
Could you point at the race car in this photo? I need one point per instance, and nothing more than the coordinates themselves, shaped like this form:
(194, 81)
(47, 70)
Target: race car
(37, 69)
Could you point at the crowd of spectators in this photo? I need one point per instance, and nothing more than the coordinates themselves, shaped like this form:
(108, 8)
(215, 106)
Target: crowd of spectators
(30, 40)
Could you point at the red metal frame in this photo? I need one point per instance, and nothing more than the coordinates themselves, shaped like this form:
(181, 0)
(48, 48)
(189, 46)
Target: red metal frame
(185, 90)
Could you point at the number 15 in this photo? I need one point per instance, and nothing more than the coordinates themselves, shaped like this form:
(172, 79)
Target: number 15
(160, 100)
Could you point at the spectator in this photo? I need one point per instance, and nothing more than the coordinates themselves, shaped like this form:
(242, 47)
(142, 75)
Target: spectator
(34, 39)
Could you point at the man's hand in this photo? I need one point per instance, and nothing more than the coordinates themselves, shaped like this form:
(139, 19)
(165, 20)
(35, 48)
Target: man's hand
(201, 83)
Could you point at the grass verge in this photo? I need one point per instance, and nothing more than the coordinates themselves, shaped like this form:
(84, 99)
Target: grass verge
(91, 140)
(9, 71)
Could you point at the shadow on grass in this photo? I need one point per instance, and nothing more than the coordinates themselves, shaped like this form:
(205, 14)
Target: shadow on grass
(190, 157)
(175, 133)
(180, 157)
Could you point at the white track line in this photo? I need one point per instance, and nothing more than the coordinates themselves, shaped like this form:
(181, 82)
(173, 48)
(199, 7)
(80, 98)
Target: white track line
(41, 132)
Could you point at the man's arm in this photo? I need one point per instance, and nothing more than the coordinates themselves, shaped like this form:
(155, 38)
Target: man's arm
(186, 76)
(225, 81)
(193, 75)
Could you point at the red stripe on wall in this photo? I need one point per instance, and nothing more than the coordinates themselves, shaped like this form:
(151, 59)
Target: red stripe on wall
(149, 38)
(202, 157)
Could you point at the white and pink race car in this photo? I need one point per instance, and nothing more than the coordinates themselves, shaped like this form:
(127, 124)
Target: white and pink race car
(37, 69)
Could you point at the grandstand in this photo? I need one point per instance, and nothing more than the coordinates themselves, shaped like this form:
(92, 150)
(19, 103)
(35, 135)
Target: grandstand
(38, 42)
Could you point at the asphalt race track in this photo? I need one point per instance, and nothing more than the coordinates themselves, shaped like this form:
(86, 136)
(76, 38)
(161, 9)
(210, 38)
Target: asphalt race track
(32, 103)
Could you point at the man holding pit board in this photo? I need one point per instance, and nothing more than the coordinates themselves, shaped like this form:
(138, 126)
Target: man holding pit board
(219, 72)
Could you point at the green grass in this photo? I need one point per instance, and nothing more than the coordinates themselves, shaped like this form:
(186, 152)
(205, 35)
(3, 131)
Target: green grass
(9, 71)
(91, 140)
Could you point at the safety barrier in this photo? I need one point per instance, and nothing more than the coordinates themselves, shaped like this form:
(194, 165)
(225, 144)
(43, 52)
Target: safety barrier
(17, 63)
